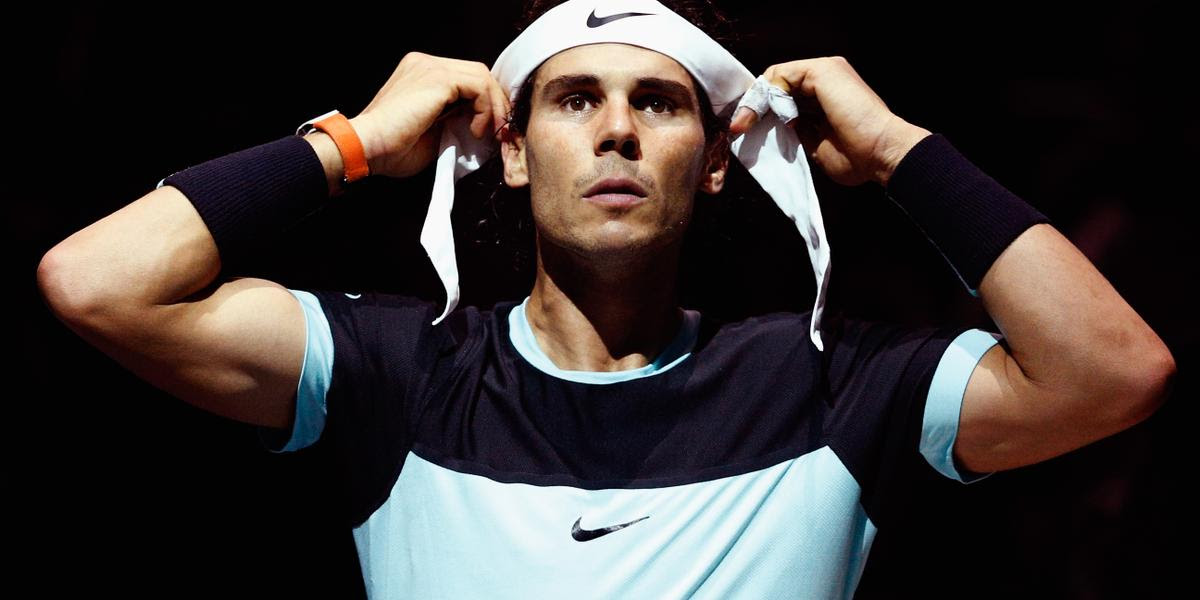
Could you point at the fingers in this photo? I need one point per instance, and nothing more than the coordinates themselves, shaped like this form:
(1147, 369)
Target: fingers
(483, 114)
(501, 107)
(790, 77)
(472, 88)
(799, 77)
(793, 78)
(489, 102)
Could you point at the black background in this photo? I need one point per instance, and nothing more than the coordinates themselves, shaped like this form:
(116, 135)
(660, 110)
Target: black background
(120, 487)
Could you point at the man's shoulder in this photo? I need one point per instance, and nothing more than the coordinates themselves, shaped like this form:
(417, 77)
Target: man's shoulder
(758, 324)
(371, 316)
(777, 329)
(398, 304)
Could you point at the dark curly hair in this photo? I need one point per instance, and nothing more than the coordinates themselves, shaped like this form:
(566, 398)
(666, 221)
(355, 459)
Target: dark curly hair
(508, 218)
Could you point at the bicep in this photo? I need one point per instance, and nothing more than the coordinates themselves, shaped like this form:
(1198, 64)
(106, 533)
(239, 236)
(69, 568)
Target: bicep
(237, 352)
(1009, 420)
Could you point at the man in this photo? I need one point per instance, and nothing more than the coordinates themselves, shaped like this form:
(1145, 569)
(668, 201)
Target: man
(596, 438)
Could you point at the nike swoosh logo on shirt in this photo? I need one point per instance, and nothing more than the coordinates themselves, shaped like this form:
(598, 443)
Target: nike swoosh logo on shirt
(582, 535)
(594, 22)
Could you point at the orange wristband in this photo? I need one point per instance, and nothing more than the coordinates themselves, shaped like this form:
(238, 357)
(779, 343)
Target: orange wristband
(354, 158)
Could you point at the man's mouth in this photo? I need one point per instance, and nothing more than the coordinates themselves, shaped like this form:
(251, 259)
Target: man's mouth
(615, 200)
(616, 192)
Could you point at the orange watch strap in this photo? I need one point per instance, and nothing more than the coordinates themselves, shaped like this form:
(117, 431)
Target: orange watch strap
(354, 158)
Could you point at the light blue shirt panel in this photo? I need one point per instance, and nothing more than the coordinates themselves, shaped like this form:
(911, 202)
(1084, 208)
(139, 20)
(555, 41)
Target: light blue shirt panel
(795, 529)
(943, 405)
(160, 182)
(314, 382)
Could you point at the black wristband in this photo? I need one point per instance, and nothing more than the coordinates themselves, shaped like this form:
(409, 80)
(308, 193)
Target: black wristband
(253, 194)
(968, 216)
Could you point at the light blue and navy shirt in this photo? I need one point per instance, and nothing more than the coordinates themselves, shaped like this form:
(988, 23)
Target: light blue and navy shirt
(741, 463)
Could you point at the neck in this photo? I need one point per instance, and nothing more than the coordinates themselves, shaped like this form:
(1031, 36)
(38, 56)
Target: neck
(610, 317)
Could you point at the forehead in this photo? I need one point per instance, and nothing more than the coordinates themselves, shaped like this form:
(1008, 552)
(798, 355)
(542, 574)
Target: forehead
(611, 61)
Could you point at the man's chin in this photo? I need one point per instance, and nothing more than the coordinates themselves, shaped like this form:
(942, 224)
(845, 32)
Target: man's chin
(623, 249)
(610, 243)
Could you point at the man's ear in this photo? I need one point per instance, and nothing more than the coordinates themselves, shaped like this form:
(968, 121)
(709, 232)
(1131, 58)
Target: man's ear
(716, 165)
(512, 151)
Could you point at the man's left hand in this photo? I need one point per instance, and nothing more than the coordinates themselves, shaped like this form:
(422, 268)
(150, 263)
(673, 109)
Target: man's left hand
(844, 125)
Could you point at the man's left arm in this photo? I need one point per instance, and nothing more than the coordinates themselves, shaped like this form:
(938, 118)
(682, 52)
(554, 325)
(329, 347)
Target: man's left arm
(1080, 364)
(1077, 363)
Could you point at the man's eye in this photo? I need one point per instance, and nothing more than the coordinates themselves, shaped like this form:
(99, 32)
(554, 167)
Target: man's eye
(659, 101)
(575, 101)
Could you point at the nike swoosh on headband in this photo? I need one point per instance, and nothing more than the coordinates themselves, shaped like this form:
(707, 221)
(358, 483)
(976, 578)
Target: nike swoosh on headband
(594, 22)
(582, 535)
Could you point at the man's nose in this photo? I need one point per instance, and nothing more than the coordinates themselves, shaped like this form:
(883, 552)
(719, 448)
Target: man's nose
(618, 130)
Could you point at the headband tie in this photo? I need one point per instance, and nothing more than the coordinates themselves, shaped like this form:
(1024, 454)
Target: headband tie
(770, 150)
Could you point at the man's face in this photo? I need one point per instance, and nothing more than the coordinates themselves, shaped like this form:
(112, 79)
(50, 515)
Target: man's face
(605, 111)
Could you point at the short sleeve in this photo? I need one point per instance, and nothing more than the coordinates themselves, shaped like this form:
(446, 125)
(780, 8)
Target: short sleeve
(879, 376)
(369, 362)
(944, 403)
(360, 347)
(317, 368)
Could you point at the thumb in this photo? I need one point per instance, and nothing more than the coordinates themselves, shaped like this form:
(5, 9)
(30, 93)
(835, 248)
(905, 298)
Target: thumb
(743, 120)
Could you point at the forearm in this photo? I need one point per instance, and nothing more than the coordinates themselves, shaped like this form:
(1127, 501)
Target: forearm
(155, 250)
(177, 239)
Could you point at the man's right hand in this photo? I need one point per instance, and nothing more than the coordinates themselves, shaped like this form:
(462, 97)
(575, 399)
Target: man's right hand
(402, 126)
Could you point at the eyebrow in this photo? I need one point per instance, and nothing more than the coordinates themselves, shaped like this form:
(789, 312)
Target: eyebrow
(663, 86)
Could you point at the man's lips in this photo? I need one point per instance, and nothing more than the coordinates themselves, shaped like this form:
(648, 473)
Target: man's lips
(615, 200)
(616, 192)
(616, 185)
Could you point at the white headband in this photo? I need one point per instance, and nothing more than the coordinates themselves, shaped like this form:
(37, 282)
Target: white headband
(770, 150)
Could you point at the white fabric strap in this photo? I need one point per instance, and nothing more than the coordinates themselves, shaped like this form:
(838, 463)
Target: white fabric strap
(770, 151)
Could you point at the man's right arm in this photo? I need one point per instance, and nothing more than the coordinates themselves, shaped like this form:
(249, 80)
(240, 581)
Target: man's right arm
(140, 285)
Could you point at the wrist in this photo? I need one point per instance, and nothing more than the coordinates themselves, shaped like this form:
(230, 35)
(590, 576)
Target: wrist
(372, 148)
(340, 149)
(902, 141)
